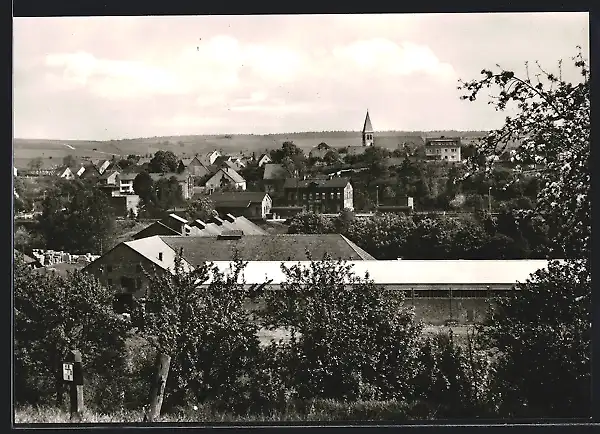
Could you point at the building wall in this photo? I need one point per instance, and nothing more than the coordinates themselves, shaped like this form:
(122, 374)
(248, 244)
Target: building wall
(445, 152)
(123, 262)
(349, 197)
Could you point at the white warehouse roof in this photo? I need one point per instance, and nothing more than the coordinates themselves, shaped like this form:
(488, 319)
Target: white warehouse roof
(406, 272)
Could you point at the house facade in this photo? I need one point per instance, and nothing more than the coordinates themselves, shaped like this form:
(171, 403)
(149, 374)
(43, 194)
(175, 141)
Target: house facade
(250, 204)
(443, 149)
(226, 177)
(126, 183)
(263, 159)
(319, 195)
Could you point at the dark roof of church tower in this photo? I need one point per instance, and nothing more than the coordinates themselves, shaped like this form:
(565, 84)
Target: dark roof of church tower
(368, 127)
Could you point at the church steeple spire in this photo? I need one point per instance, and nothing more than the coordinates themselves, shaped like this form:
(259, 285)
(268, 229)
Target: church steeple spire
(367, 132)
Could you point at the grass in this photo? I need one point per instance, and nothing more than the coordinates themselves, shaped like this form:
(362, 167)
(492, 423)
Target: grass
(322, 410)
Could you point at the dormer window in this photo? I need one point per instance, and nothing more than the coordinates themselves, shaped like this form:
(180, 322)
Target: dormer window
(160, 256)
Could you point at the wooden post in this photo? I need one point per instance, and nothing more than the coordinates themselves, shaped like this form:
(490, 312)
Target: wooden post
(163, 361)
(76, 380)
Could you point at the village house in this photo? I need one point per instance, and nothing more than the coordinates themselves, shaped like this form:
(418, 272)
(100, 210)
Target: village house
(126, 182)
(263, 159)
(65, 173)
(326, 196)
(109, 177)
(185, 181)
(123, 268)
(319, 151)
(226, 177)
(250, 204)
(90, 172)
(193, 166)
(443, 149)
(101, 165)
(209, 158)
(176, 225)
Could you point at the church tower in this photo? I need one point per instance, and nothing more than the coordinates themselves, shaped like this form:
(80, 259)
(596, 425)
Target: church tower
(367, 132)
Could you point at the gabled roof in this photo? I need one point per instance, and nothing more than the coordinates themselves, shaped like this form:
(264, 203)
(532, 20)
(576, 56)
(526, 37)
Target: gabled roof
(109, 173)
(368, 128)
(336, 182)
(242, 197)
(186, 161)
(275, 171)
(197, 250)
(232, 174)
(129, 176)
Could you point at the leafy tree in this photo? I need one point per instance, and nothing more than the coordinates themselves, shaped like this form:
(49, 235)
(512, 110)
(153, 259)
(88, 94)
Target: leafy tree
(76, 217)
(164, 162)
(452, 380)
(350, 340)
(201, 208)
(143, 186)
(53, 315)
(541, 335)
(198, 318)
(310, 223)
(69, 161)
(553, 125)
(331, 157)
(168, 193)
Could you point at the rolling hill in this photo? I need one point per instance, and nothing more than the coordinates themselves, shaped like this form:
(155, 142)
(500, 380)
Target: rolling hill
(26, 149)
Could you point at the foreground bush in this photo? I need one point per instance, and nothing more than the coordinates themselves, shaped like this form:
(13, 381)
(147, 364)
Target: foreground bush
(53, 315)
(350, 339)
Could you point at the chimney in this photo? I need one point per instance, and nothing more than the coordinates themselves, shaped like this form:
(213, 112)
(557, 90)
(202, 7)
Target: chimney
(229, 218)
(160, 256)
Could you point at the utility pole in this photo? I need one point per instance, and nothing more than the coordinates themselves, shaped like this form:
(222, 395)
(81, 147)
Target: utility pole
(490, 199)
(377, 195)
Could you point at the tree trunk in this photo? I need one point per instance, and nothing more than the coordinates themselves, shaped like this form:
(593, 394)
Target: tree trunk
(163, 361)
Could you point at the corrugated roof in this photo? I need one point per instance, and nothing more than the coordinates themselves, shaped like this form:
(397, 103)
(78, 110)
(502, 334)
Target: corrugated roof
(198, 250)
(368, 128)
(336, 182)
(408, 272)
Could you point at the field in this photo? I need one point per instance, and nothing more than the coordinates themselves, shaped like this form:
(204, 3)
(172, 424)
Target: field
(54, 150)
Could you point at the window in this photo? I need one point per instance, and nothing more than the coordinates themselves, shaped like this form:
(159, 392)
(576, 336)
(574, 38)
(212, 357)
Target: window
(331, 195)
(339, 195)
(303, 196)
(310, 196)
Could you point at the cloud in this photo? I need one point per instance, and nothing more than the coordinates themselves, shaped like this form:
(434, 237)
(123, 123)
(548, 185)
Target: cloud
(387, 57)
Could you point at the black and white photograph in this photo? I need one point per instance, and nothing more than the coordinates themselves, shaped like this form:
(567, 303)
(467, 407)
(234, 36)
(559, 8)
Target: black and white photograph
(301, 219)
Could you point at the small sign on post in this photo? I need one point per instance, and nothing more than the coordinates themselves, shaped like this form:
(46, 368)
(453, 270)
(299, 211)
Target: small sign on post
(73, 373)
(68, 371)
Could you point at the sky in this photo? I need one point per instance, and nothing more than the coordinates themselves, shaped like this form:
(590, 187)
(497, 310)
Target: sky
(102, 78)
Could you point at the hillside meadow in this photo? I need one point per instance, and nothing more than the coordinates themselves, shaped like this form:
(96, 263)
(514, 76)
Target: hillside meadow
(26, 149)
